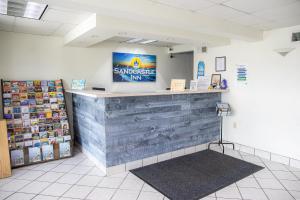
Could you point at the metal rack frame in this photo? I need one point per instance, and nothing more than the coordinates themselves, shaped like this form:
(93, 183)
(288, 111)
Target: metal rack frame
(220, 142)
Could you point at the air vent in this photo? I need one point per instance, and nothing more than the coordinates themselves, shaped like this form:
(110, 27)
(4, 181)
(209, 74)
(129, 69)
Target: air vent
(296, 37)
(21, 8)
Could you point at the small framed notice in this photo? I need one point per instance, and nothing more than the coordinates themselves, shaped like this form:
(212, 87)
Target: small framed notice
(220, 64)
(178, 85)
(78, 84)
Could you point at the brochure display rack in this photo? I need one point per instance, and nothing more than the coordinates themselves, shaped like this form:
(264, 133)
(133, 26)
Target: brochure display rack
(222, 109)
(37, 122)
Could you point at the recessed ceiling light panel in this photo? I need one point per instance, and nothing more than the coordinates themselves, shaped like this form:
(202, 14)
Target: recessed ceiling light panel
(134, 40)
(148, 41)
(21, 8)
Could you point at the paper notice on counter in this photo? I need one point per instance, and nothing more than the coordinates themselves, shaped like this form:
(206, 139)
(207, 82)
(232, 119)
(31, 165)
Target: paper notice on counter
(203, 83)
(178, 85)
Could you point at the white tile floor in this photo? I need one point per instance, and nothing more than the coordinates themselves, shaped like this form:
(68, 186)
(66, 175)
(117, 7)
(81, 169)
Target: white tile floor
(79, 178)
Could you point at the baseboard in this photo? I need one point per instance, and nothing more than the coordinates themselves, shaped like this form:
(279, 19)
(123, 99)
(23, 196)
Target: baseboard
(292, 162)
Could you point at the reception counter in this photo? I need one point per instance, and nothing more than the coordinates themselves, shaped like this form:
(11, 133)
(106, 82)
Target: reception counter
(120, 131)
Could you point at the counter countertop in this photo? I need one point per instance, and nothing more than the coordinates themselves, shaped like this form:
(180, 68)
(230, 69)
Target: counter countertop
(94, 93)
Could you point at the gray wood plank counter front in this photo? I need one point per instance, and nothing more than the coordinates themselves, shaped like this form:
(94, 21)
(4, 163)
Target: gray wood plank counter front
(115, 129)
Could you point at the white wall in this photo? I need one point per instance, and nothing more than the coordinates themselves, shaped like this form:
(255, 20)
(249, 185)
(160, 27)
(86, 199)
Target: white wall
(24, 56)
(267, 110)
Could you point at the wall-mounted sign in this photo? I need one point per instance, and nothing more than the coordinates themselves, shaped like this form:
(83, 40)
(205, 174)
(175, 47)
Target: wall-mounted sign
(220, 64)
(242, 74)
(201, 69)
(129, 67)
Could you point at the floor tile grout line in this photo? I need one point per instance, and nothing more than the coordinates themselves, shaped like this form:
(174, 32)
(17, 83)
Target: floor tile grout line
(75, 182)
(298, 178)
(259, 185)
(30, 181)
(116, 190)
(140, 191)
(239, 191)
(280, 182)
(61, 196)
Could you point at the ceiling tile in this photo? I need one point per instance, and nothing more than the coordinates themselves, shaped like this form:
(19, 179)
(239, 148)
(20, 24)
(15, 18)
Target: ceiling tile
(187, 4)
(222, 12)
(286, 22)
(6, 22)
(288, 11)
(265, 26)
(64, 29)
(248, 20)
(36, 27)
(54, 15)
(251, 6)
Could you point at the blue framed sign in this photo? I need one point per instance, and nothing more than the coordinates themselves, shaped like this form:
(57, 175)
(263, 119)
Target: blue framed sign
(129, 67)
(201, 69)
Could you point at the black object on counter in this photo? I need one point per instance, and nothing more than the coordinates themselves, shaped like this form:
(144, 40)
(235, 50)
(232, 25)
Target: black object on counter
(96, 88)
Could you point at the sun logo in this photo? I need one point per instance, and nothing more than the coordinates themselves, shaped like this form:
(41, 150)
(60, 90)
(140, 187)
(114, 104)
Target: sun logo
(136, 62)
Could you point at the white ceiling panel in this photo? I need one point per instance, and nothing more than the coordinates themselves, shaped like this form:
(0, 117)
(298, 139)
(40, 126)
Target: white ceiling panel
(6, 22)
(288, 22)
(187, 4)
(54, 15)
(265, 26)
(222, 12)
(249, 20)
(30, 26)
(64, 29)
(251, 6)
(275, 14)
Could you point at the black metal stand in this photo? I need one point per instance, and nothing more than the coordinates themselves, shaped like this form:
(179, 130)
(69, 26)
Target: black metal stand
(220, 142)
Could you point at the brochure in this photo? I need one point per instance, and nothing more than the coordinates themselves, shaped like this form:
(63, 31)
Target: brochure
(17, 157)
(64, 149)
(34, 154)
(47, 151)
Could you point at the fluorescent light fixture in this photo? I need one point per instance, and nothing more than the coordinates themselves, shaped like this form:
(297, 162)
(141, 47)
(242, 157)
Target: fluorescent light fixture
(34, 10)
(134, 40)
(3, 7)
(148, 41)
(22, 8)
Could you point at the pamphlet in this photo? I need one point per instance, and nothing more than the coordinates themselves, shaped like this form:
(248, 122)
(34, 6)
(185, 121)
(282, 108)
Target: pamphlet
(64, 149)
(34, 154)
(48, 153)
(17, 157)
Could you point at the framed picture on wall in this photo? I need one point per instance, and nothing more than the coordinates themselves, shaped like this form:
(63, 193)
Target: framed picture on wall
(215, 80)
(128, 67)
(220, 64)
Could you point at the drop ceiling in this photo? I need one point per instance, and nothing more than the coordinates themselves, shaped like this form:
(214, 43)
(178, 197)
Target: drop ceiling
(259, 14)
(55, 22)
(63, 16)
